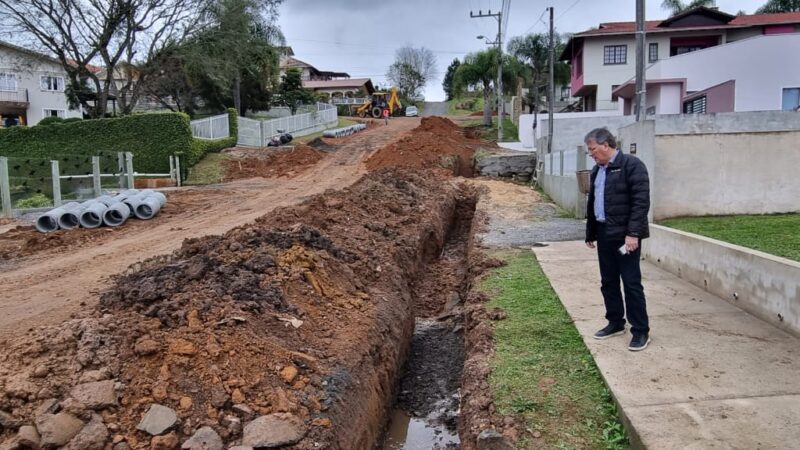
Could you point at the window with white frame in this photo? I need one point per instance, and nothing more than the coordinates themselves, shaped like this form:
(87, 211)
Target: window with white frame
(615, 54)
(52, 83)
(54, 113)
(8, 81)
(791, 99)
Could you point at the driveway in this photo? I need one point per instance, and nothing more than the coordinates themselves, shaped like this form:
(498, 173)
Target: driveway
(435, 109)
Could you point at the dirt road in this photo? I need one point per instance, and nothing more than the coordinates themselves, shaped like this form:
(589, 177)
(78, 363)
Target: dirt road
(50, 286)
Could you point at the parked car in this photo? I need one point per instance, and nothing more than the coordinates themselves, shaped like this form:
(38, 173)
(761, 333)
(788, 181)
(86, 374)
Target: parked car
(412, 111)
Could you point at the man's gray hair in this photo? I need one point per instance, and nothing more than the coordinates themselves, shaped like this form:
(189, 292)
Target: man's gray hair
(601, 136)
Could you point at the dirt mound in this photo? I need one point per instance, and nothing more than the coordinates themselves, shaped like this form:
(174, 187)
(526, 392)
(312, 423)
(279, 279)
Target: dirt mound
(436, 142)
(281, 162)
(321, 145)
(303, 317)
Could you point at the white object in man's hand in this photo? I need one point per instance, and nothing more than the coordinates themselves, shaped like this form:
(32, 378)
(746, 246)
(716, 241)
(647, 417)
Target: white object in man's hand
(631, 243)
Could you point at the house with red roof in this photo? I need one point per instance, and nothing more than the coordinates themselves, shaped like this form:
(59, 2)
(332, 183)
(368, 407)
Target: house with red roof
(603, 59)
(336, 84)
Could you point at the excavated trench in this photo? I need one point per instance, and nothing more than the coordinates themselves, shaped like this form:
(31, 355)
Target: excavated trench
(425, 414)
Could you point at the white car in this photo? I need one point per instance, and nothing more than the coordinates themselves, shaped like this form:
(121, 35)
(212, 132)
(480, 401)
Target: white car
(412, 111)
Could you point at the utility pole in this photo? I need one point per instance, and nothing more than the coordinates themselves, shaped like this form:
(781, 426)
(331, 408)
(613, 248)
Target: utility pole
(641, 85)
(551, 91)
(499, 84)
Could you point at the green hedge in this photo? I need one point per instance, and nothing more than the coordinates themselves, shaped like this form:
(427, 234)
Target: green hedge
(202, 146)
(150, 137)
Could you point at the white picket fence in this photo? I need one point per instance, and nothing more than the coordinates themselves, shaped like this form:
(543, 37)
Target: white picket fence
(257, 133)
(216, 127)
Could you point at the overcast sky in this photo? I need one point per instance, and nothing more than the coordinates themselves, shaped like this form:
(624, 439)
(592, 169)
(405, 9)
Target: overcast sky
(360, 36)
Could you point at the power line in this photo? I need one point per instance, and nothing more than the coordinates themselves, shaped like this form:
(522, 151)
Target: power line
(538, 21)
(567, 10)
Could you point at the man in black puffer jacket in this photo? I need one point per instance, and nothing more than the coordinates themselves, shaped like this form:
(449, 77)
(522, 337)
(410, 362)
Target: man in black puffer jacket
(619, 199)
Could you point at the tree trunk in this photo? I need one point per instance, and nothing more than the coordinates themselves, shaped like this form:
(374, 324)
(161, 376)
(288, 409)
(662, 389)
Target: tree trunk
(237, 94)
(487, 105)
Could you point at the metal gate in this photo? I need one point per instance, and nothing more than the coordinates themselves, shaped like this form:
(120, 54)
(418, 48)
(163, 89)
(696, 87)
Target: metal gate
(249, 132)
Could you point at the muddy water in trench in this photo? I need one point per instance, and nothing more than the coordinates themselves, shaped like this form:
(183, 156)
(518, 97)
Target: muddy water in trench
(426, 412)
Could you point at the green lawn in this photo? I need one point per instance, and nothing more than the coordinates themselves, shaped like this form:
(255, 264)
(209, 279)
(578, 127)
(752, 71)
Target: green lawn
(510, 131)
(542, 372)
(208, 171)
(777, 234)
(453, 108)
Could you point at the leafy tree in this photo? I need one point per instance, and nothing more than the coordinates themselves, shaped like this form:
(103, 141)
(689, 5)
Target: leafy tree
(480, 69)
(447, 83)
(233, 62)
(112, 34)
(779, 6)
(677, 6)
(533, 51)
(291, 92)
(412, 69)
(408, 80)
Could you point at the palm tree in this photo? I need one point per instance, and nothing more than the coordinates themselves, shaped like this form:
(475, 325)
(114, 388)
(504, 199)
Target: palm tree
(677, 6)
(480, 68)
(532, 51)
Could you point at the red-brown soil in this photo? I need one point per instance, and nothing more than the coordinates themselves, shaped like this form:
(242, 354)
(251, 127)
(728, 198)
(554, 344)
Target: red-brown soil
(271, 163)
(437, 142)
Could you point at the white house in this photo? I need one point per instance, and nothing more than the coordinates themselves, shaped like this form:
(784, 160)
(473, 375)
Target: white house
(601, 59)
(31, 86)
(760, 73)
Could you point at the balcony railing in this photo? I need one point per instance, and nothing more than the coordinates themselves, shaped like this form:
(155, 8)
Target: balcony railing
(18, 96)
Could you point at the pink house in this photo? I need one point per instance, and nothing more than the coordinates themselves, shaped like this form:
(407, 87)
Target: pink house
(602, 59)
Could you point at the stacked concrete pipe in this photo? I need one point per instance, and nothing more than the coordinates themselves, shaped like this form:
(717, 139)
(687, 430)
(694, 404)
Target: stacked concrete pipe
(111, 211)
(344, 131)
(48, 221)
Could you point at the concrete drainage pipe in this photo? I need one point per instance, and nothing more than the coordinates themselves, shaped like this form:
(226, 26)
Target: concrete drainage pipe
(71, 218)
(116, 214)
(49, 221)
(92, 215)
(150, 205)
(345, 131)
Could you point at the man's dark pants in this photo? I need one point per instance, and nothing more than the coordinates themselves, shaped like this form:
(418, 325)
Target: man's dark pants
(614, 266)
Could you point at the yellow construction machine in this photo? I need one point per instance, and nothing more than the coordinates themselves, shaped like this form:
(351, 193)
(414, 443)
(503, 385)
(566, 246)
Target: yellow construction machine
(379, 101)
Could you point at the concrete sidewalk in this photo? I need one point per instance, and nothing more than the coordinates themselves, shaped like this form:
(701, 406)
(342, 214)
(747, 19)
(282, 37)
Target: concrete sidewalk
(714, 377)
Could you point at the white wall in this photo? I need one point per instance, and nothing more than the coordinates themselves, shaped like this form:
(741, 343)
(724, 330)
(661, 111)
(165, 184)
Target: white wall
(528, 136)
(29, 70)
(762, 66)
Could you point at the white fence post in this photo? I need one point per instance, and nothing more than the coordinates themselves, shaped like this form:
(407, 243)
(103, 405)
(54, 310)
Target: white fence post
(178, 170)
(96, 176)
(5, 187)
(56, 174)
(561, 163)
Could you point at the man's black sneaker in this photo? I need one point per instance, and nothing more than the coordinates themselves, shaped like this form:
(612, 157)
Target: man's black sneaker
(639, 342)
(610, 330)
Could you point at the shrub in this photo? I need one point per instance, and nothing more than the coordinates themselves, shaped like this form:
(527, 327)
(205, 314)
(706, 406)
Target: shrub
(34, 201)
(50, 120)
(152, 138)
(72, 119)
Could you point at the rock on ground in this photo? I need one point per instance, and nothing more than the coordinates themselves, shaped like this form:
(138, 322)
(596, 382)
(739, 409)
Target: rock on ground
(28, 436)
(93, 436)
(57, 429)
(204, 439)
(492, 440)
(273, 430)
(157, 420)
(95, 395)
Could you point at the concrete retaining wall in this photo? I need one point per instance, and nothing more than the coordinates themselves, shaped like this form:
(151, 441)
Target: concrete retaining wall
(764, 285)
(517, 166)
(720, 174)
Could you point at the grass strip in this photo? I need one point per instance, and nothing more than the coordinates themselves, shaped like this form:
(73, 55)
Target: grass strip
(543, 374)
(209, 170)
(776, 234)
